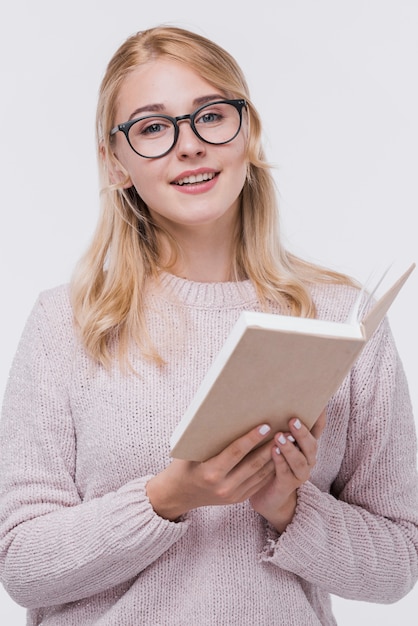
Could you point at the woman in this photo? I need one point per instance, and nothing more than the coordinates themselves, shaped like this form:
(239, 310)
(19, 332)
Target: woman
(98, 524)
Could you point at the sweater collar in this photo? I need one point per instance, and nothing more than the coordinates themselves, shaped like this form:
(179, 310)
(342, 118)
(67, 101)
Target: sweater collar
(205, 295)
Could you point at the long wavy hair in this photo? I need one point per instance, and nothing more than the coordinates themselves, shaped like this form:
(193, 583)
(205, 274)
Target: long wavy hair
(109, 284)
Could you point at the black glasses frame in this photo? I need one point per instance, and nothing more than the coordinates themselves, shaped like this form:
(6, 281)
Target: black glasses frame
(239, 104)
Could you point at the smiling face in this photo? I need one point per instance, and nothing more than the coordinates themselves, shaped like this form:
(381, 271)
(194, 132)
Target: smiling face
(196, 185)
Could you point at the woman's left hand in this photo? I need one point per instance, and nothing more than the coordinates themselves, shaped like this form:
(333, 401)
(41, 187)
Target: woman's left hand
(294, 456)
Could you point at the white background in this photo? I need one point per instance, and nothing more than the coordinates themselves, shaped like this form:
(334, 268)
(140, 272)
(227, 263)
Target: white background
(336, 84)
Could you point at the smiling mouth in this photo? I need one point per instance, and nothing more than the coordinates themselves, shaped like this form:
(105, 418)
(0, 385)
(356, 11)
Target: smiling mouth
(193, 179)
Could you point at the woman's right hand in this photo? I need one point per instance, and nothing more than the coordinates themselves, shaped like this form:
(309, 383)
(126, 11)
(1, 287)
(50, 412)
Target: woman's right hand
(232, 476)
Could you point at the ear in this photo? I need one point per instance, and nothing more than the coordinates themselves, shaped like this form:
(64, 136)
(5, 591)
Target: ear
(117, 173)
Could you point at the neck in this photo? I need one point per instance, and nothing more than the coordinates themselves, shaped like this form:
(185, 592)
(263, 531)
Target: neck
(204, 257)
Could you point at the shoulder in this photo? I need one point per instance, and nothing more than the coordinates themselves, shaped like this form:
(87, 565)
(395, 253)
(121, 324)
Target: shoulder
(334, 301)
(52, 315)
(49, 339)
(55, 301)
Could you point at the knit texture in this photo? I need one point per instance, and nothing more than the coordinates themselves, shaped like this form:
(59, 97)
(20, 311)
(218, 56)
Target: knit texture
(79, 540)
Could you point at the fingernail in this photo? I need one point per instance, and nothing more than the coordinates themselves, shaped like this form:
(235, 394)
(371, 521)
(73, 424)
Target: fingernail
(290, 438)
(282, 439)
(263, 430)
(277, 450)
(297, 424)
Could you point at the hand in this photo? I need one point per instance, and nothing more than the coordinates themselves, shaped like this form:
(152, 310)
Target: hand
(232, 476)
(294, 456)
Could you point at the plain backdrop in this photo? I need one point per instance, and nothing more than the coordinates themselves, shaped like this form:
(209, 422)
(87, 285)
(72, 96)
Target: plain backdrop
(336, 84)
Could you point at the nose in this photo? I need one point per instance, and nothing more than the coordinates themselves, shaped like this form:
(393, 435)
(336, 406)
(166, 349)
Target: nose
(188, 143)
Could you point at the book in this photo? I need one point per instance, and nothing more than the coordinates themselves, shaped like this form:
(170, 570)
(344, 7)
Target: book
(272, 368)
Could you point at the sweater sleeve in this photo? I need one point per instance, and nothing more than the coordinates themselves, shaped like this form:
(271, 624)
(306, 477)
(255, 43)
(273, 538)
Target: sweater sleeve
(361, 540)
(55, 548)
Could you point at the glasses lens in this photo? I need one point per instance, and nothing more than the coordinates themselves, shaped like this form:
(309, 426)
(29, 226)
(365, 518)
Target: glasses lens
(218, 122)
(152, 136)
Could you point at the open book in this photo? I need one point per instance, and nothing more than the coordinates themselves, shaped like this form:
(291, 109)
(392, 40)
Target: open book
(272, 368)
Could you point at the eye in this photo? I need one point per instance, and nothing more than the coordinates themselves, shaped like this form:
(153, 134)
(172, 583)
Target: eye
(209, 117)
(150, 127)
(153, 129)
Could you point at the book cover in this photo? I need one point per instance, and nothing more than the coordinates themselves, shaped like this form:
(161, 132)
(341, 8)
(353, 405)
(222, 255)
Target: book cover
(270, 369)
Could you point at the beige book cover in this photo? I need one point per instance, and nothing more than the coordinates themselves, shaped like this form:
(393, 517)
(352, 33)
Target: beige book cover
(270, 369)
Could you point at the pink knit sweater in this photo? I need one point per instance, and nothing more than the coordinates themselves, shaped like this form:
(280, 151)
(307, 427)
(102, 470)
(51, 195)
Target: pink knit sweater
(79, 540)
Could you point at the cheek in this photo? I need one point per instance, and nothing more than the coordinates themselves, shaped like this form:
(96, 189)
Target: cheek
(147, 180)
(140, 171)
(241, 165)
(240, 147)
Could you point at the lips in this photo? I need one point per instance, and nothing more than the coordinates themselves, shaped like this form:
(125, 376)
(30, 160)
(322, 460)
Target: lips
(192, 179)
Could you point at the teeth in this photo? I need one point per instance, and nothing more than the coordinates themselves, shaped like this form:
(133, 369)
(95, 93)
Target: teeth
(198, 178)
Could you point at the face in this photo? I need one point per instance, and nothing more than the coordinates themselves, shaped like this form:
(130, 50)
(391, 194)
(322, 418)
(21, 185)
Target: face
(165, 183)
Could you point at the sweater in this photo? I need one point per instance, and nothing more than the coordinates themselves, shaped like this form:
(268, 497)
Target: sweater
(79, 540)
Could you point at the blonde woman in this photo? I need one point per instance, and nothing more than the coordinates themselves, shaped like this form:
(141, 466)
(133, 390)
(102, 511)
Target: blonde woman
(98, 524)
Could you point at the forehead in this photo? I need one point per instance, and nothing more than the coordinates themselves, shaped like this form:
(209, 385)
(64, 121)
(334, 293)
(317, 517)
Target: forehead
(165, 82)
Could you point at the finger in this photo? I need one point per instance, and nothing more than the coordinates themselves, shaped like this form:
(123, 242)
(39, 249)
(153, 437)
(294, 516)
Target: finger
(233, 454)
(290, 459)
(253, 465)
(305, 440)
(259, 480)
(250, 475)
(280, 458)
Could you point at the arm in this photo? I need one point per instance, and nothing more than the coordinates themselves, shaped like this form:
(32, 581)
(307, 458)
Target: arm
(361, 541)
(55, 548)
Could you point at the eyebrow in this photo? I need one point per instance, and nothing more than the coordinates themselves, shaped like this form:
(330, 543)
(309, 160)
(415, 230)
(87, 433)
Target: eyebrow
(159, 108)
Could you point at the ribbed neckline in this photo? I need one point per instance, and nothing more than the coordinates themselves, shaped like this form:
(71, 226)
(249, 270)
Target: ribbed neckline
(205, 295)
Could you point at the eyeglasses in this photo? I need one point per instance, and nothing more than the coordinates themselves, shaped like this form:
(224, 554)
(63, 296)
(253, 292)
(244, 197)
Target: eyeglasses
(153, 136)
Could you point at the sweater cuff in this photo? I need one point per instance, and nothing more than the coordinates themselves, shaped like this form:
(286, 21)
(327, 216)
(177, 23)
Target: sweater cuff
(299, 543)
(138, 487)
(182, 519)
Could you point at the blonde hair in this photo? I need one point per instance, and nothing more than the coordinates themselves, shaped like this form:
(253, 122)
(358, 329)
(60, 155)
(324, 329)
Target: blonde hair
(109, 284)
